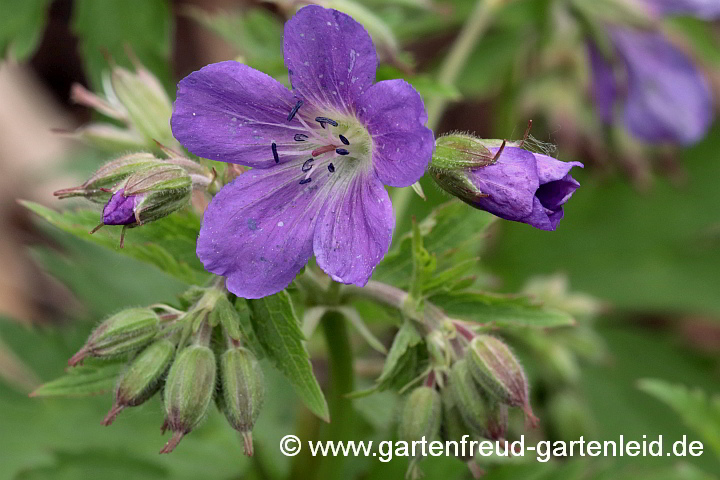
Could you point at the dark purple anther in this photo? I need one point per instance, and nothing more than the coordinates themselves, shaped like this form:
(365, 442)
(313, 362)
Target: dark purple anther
(120, 210)
(307, 165)
(305, 180)
(342, 151)
(294, 110)
(300, 137)
(331, 168)
(275, 154)
(323, 120)
(344, 140)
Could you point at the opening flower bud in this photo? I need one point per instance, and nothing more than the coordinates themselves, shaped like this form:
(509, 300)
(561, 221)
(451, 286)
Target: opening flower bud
(469, 398)
(243, 390)
(499, 372)
(122, 333)
(143, 377)
(189, 390)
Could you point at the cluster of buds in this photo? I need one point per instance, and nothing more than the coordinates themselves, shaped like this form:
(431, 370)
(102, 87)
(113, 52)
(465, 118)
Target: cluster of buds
(135, 99)
(192, 356)
(140, 188)
(467, 398)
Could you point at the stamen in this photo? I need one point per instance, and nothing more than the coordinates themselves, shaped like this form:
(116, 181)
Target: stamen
(305, 180)
(321, 150)
(275, 154)
(306, 166)
(331, 168)
(527, 133)
(323, 120)
(499, 152)
(300, 137)
(294, 110)
(344, 140)
(342, 151)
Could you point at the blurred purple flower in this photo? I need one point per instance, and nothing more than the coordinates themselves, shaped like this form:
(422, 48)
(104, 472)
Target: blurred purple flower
(664, 97)
(525, 187)
(321, 156)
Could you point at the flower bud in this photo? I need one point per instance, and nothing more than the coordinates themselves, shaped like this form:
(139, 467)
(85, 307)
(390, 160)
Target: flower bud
(454, 427)
(497, 425)
(97, 187)
(142, 378)
(499, 372)
(149, 194)
(122, 333)
(504, 179)
(145, 100)
(421, 415)
(469, 398)
(189, 390)
(243, 391)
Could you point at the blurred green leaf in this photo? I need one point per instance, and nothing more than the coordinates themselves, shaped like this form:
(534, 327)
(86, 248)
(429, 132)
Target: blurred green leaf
(107, 27)
(278, 330)
(169, 243)
(256, 34)
(492, 309)
(21, 26)
(89, 379)
(403, 359)
(699, 412)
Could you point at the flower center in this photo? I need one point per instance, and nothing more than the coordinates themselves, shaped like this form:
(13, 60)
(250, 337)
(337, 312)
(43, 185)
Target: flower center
(335, 142)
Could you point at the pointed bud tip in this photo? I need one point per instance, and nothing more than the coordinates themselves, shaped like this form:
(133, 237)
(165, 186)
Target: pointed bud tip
(78, 358)
(112, 414)
(248, 443)
(173, 442)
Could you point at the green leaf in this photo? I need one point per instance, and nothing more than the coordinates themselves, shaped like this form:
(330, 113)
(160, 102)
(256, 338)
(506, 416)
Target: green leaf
(107, 27)
(88, 379)
(278, 330)
(493, 309)
(453, 232)
(169, 243)
(699, 412)
(21, 27)
(247, 332)
(403, 359)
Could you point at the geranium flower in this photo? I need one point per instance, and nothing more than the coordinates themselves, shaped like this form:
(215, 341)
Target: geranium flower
(664, 97)
(320, 156)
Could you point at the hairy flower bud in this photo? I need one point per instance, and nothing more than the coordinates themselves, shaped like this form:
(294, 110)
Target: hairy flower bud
(98, 187)
(497, 420)
(504, 179)
(243, 390)
(189, 390)
(142, 378)
(149, 194)
(122, 333)
(469, 398)
(421, 415)
(499, 372)
(454, 428)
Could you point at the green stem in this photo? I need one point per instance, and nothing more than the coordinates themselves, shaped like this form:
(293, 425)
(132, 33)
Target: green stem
(464, 44)
(342, 415)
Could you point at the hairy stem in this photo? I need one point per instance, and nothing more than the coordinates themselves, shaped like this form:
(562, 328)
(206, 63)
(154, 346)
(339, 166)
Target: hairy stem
(431, 316)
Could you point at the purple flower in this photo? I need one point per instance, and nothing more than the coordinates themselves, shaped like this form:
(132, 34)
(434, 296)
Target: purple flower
(321, 155)
(706, 9)
(525, 187)
(664, 97)
(120, 210)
